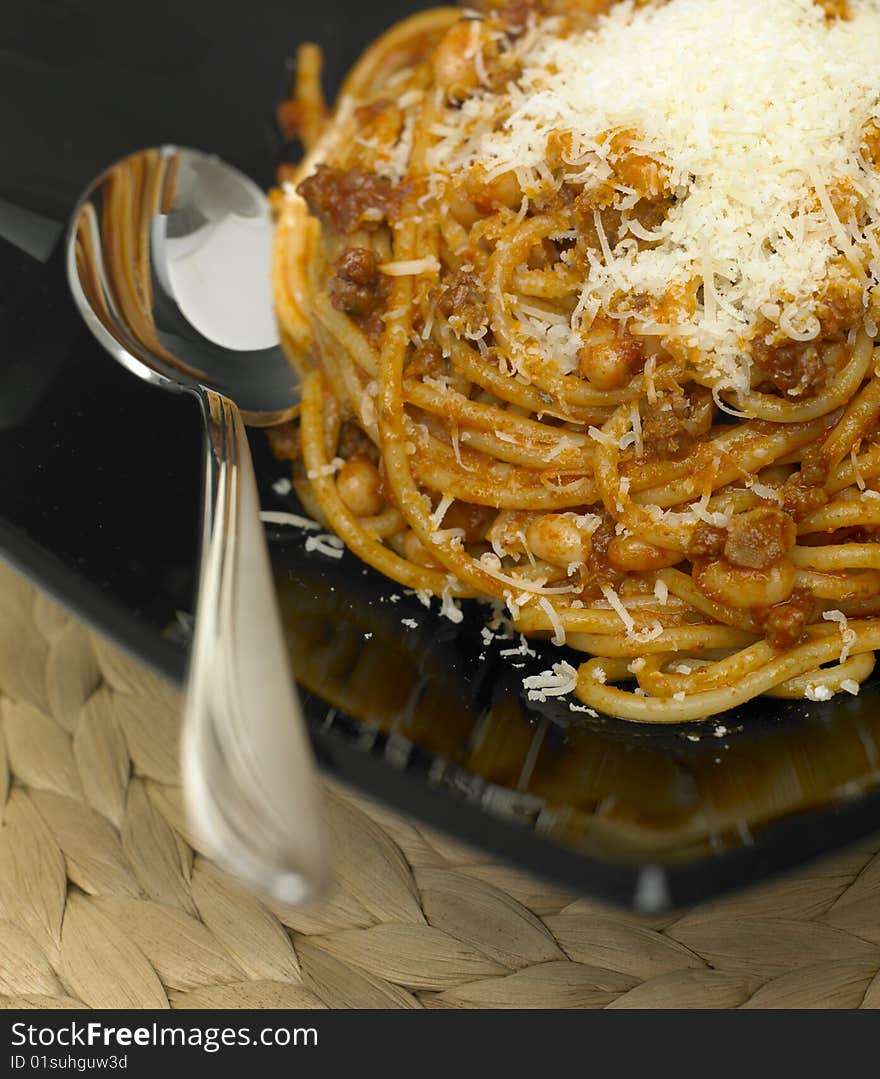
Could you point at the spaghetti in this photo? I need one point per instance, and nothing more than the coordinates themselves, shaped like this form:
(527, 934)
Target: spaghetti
(584, 298)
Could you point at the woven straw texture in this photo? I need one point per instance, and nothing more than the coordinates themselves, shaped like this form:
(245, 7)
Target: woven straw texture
(104, 902)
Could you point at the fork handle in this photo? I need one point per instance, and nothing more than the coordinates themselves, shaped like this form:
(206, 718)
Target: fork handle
(249, 780)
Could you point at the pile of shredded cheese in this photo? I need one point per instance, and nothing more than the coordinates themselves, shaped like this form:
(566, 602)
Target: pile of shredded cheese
(756, 108)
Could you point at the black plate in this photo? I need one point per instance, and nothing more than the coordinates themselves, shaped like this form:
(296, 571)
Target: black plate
(99, 503)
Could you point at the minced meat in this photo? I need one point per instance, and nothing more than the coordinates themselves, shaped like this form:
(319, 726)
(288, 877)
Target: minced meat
(786, 622)
(358, 288)
(462, 297)
(759, 538)
(795, 369)
(349, 199)
(666, 434)
(707, 541)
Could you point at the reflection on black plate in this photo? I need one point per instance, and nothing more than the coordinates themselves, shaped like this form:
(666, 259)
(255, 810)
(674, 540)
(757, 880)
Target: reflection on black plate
(693, 802)
(99, 494)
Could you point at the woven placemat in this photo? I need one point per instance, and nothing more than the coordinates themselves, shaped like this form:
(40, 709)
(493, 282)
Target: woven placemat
(104, 902)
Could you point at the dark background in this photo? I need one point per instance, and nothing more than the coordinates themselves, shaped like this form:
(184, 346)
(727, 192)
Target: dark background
(83, 82)
(99, 473)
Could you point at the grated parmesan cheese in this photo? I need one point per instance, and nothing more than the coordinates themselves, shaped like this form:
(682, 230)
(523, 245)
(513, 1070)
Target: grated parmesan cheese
(326, 470)
(605, 439)
(860, 479)
(491, 564)
(448, 607)
(410, 267)
(279, 517)
(719, 520)
(761, 490)
(522, 649)
(818, 693)
(755, 110)
(641, 636)
(583, 708)
(395, 164)
(555, 621)
(326, 544)
(847, 635)
(559, 681)
(440, 512)
(617, 606)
